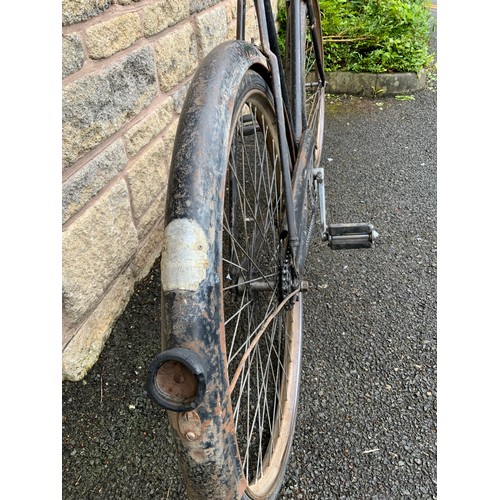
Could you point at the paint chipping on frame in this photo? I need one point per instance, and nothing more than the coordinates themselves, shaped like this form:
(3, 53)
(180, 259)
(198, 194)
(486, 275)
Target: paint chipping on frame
(184, 260)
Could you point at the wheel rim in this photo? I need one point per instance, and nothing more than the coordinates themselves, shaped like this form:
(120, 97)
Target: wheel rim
(262, 340)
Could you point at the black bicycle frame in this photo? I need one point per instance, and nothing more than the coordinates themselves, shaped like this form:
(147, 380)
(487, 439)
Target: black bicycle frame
(288, 102)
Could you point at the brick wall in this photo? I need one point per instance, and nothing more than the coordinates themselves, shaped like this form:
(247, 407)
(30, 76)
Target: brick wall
(126, 66)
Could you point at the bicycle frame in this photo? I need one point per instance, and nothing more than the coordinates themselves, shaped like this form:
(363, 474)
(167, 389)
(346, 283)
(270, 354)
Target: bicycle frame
(294, 106)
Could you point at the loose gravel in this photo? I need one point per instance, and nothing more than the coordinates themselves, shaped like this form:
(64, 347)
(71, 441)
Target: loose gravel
(367, 417)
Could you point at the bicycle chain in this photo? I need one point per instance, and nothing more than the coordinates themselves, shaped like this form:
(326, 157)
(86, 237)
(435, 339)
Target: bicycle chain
(287, 280)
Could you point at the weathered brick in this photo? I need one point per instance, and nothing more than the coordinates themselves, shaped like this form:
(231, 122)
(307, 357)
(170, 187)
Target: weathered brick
(148, 177)
(72, 54)
(148, 252)
(107, 38)
(176, 56)
(153, 214)
(212, 29)
(251, 26)
(169, 137)
(91, 178)
(231, 31)
(85, 346)
(179, 97)
(97, 105)
(161, 15)
(231, 10)
(75, 11)
(95, 250)
(198, 5)
(141, 134)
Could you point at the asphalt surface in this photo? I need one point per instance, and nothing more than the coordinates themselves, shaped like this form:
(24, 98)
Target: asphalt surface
(366, 427)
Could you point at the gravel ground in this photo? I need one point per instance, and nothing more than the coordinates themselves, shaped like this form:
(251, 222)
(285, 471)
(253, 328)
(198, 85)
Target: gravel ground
(367, 422)
(367, 418)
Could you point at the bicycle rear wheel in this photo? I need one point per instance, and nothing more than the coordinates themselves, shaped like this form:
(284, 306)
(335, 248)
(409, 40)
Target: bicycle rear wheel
(262, 323)
(228, 374)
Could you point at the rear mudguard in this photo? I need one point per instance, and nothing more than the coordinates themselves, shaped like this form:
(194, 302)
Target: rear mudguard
(190, 273)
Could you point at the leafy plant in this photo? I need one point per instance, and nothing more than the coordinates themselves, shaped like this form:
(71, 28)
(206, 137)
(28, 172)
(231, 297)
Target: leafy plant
(376, 36)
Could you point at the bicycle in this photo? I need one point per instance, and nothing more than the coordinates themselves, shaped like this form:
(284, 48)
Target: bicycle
(244, 193)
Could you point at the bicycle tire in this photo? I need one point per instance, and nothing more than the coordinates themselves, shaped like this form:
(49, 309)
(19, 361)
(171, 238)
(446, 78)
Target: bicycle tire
(231, 85)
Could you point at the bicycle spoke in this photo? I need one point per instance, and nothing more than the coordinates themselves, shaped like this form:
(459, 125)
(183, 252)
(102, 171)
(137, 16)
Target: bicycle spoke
(254, 211)
(249, 257)
(250, 336)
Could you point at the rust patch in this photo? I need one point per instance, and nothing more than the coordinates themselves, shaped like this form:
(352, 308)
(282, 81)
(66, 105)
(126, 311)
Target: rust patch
(176, 381)
(189, 425)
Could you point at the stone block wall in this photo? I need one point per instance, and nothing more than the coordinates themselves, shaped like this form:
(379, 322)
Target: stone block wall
(126, 66)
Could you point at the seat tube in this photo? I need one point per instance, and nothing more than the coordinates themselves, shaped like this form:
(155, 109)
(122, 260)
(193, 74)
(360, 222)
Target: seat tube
(296, 66)
(279, 108)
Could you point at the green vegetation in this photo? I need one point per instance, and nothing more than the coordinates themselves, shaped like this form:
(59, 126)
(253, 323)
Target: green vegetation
(377, 36)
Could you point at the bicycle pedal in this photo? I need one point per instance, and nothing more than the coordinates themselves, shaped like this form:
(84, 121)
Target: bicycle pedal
(351, 236)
